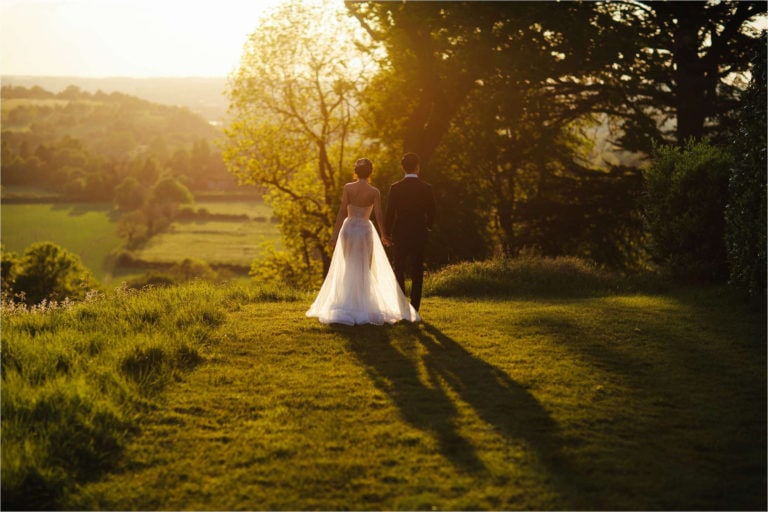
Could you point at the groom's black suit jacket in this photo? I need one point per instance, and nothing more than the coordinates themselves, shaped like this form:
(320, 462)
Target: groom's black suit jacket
(410, 212)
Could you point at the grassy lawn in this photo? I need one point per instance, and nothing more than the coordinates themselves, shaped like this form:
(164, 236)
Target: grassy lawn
(233, 241)
(252, 209)
(641, 401)
(87, 230)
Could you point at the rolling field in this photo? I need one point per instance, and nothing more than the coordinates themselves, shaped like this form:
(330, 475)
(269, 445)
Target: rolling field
(88, 230)
(214, 241)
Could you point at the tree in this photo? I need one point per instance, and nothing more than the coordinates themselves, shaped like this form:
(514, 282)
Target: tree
(685, 76)
(493, 95)
(169, 190)
(293, 101)
(48, 271)
(746, 210)
(133, 227)
(130, 195)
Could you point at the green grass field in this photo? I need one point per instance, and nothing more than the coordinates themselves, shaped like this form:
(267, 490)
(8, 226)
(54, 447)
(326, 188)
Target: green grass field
(88, 230)
(529, 400)
(231, 242)
(252, 209)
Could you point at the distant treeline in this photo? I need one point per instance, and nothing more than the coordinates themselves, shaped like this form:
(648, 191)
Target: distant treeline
(83, 145)
(202, 95)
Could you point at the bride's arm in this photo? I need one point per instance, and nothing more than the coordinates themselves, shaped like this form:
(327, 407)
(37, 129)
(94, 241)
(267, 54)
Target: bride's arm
(340, 217)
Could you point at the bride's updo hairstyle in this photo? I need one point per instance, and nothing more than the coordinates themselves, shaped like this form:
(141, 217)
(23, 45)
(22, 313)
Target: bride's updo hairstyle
(363, 168)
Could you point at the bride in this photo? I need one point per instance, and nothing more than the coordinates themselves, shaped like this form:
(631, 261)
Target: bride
(360, 287)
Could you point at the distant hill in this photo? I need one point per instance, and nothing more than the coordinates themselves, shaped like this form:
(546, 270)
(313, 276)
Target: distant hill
(202, 95)
(81, 145)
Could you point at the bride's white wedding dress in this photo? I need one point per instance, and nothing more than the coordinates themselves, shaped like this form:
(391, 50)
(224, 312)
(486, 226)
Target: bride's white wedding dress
(360, 287)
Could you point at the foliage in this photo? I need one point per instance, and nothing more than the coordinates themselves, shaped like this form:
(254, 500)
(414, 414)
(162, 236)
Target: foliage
(746, 210)
(528, 276)
(684, 75)
(169, 192)
(48, 271)
(495, 99)
(151, 199)
(129, 195)
(77, 376)
(293, 133)
(280, 268)
(686, 194)
(83, 145)
(9, 266)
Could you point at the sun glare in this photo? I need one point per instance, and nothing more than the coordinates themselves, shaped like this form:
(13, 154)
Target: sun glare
(126, 37)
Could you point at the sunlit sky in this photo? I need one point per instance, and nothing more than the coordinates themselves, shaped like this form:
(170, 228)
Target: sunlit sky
(126, 38)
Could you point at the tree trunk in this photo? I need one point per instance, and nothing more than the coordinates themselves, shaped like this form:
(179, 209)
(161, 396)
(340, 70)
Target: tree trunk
(691, 80)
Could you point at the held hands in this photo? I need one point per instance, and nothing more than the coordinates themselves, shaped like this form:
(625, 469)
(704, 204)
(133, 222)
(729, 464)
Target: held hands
(386, 241)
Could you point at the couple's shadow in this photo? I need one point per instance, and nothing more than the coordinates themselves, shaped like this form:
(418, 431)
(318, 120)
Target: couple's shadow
(422, 371)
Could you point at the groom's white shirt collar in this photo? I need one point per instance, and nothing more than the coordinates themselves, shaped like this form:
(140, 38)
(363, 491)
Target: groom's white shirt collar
(411, 175)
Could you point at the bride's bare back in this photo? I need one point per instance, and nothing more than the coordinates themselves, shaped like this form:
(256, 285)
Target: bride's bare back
(361, 194)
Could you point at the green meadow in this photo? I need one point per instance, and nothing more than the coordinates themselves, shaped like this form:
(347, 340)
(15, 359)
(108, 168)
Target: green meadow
(88, 230)
(231, 242)
(560, 387)
(85, 229)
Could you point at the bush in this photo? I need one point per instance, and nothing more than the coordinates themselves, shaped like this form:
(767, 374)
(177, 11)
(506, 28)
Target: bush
(47, 271)
(684, 208)
(281, 268)
(531, 276)
(9, 266)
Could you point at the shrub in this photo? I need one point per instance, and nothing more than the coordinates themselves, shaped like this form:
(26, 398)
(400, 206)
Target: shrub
(47, 271)
(282, 269)
(684, 207)
(9, 266)
(531, 276)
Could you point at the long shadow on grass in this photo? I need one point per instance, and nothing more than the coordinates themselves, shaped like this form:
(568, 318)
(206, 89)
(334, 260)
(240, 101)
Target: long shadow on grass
(395, 373)
(498, 400)
(393, 357)
(695, 402)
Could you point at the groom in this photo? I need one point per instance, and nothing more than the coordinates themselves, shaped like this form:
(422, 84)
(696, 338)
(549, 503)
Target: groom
(410, 214)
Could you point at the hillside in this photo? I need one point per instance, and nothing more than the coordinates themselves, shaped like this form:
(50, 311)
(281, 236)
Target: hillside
(98, 118)
(201, 95)
(82, 145)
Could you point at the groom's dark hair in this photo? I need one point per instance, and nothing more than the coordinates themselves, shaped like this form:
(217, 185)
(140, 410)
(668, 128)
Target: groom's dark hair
(410, 162)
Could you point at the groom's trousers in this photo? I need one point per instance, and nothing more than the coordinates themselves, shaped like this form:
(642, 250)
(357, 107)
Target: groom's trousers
(410, 257)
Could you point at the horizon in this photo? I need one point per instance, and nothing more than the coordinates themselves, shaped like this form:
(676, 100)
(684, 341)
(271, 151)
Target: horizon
(113, 77)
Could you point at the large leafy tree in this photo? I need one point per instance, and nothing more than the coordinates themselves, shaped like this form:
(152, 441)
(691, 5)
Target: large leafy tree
(293, 102)
(494, 95)
(491, 94)
(686, 75)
